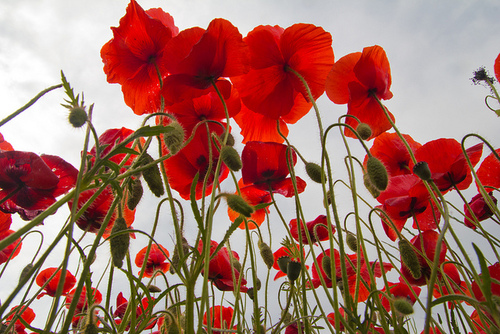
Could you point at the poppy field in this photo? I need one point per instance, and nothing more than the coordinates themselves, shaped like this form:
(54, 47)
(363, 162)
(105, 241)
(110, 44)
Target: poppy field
(265, 236)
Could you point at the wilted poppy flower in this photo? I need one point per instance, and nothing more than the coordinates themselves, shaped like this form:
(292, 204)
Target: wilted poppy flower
(30, 184)
(400, 290)
(253, 196)
(270, 90)
(4, 145)
(391, 151)
(197, 58)
(480, 210)
(135, 56)
(447, 162)
(220, 318)
(51, 287)
(356, 79)
(406, 196)
(26, 313)
(221, 271)
(317, 230)
(156, 260)
(489, 171)
(285, 251)
(12, 250)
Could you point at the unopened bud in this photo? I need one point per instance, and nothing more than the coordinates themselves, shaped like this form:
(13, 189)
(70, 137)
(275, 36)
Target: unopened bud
(230, 140)
(77, 117)
(238, 204)
(250, 293)
(267, 254)
(25, 271)
(91, 328)
(174, 138)
(119, 243)
(283, 263)
(351, 241)
(236, 264)
(370, 187)
(152, 177)
(135, 193)
(364, 131)
(403, 306)
(231, 158)
(293, 270)
(410, 258)
(153, 288)
(314, 171)
(421, 169)
(258, 284)
(377, 172)
(175, 257)
(326, 263)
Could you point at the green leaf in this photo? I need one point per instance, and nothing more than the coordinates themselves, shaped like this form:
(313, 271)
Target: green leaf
(149, 131)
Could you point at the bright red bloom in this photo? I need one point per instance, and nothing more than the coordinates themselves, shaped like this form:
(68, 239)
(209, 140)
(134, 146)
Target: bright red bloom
(135, 55)
(447, 162)
(197, 58)
(406, 197)
(391, 151)
(400, 290)
(270, 90)
(142, 308)
(220, 270)
(286, 252)
(253, 196)
(12, 250)
(83, 302)
(494, 271)
(5, 222)
(156, 260)
(331, 319)
(315, 229)
(497, 67)
(26, 313)
(480, 210)
(51, 287)
(220, 317)
(32, 183)
(489, 171)
(4, 145)
(355, 79)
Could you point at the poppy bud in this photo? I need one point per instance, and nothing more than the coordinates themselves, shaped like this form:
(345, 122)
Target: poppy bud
(377, 173)
(231, 158)
(25, 271)
(258, 284)
(403, 306)
(174, 138)
(328, 200)
(364, 131)
(236, 264)
(91, 328)
(283, 263)
(287, 318)
(135, 193)
(370, 187)
(421, 169)
(175, 257)
(153, 288)
(351, 241)
(230, 139)
(250, 293)
(77, 117)
(326, 263)
(410, 258)
(314, 171)
(293, 270)
(238, 204)
(152, 177)
(119, 243)
(266, 253)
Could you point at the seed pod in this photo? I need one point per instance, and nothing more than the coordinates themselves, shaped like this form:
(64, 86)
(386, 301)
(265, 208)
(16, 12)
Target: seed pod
(152, 177)
(421, 169)
(174, 138)
(314, 171)
(238, 204)
(119, 243)
(351, 241)
(77, 117)
(403, 306)
(293, 270)
(267, 254)
(135, 194)
(326, 263)
(364, 131)
(410, 258)
(377, 172)
(231, 158)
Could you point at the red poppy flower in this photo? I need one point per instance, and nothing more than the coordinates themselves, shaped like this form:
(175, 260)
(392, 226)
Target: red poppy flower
(12, 250)
(497, 67)
(265, 166)
(51, 287)
(220, 270)
(135, 55)
(355, 79)
(293, 328)
(317, 230)
(221, 318)
(428, 241)
(156, 260)
(142, 308)
(195, 158)
(391, 151)
(26, 313)
(197, 58)
(270, 90)
(400, 290)
(480, 210)
(286, 252)
(4, 145)
(5, 222)
(331, 319)
(30, 184)
(447, 162)
(494, 271)
(253, 196)
(489, 171)
(83, 302)
(406, 197)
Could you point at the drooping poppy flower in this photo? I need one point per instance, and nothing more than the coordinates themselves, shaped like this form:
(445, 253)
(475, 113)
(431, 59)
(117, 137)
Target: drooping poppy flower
(221, 271)
(317, 230)
(51, 287)
(30, 184)
(12, 250)
(220, 318)
(400, 290)
(24, 312)
(480, 210)
(143, 311)
(356, 79)
(391, 151)
(156, 260)
(197, 58)
(447, 162)
(292, 254)
(253, 196)
(270, 90)
(489, 171)
(5, 145)
(407, 197)
(134, 57)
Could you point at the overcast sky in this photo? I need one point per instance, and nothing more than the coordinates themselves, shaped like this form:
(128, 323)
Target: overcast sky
(433, 48)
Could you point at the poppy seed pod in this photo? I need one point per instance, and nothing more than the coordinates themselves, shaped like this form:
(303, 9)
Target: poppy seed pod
(119, 243)
(174, 138)
(351, 241)
(314, 171)
(135, 193)
(267, 254)
(238, 204)
(293, 270)
(421, 169)
(369, 186)
(403, 306)
(231, 158)
(77, 117)
(364, 131)
(326, 263)
(283, 263)
(377, 173)
(410, 258)
(152, 177)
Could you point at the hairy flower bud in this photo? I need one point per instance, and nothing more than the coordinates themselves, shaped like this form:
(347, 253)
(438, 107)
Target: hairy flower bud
(135, 193)
(421, 169)
(175, 257)
(238, 204)
(236, 264)
(351, 241)
(152, 176)
(153, 288)
(174, 138)
(231, 158)
(283, 263)
(326, 263)
(266, 253)
(119, 243)
(377, 173)
(91, 328)
(410, 258)
(293, 270)
(250, 293)
(403, 306)
(370, 187)
(77, 117)
(230, 140)
(25, 271)
(314, 171)
(364, 131)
